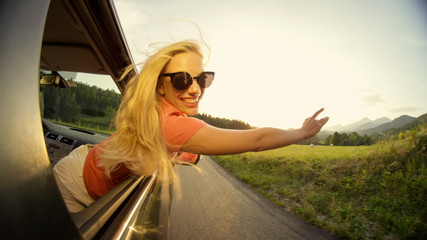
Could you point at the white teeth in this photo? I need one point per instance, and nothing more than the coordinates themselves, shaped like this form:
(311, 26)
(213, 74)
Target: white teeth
(190, 100)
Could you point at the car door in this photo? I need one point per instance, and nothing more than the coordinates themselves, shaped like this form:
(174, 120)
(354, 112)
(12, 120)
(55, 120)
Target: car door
(31, 206)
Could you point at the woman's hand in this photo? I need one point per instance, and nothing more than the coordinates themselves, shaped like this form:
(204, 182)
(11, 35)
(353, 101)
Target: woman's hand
(312, 126)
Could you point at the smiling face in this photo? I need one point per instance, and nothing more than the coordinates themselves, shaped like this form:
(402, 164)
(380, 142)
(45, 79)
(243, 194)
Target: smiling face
(187, 101)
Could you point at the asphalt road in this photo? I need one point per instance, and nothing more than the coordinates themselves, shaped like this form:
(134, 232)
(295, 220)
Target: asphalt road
(215, 205)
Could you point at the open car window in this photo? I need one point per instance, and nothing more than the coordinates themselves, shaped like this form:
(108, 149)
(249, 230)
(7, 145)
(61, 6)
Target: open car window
(76, 108)
(85, 100)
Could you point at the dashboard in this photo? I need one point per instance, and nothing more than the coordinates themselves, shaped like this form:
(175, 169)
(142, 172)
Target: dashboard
(61, 140)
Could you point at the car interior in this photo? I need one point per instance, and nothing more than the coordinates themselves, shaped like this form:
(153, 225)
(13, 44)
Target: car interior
(85, 36)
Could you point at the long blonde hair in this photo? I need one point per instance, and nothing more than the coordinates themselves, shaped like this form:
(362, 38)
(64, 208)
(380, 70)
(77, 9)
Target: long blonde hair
(139, 141)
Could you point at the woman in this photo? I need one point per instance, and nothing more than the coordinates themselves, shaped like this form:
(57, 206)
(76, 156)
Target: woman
(152, 125)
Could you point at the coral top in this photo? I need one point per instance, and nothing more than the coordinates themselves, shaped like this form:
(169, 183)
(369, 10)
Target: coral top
(178, 129)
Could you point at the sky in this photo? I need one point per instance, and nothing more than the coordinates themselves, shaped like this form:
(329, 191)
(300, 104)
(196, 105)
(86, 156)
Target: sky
(278, 61)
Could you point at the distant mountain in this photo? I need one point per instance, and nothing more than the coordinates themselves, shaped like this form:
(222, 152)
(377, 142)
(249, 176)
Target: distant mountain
(373, 124)
(334, 128)
(396, 123)
(364, 123)
(413, 124)
(356, 125)
(388, 128)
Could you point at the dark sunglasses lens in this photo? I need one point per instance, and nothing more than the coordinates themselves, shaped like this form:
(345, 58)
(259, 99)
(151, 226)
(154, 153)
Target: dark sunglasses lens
(181, 81)
(205, 79)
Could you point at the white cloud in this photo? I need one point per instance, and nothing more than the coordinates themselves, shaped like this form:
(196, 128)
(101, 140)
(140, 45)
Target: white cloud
(370, 97)
(372, 100)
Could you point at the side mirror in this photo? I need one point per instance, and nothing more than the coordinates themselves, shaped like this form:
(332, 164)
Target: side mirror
(57, 80)
(191, 158)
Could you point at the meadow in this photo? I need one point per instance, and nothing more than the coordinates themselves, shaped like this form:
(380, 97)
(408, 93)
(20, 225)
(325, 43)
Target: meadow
(364, 192)
(96, 124)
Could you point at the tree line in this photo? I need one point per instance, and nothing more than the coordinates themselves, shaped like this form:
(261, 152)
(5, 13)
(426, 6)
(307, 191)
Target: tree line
(339, 139)
(69, 104)
(351, 139)
(223, 122)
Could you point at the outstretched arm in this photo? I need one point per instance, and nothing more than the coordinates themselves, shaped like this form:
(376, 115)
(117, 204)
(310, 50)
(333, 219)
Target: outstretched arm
(210, 140)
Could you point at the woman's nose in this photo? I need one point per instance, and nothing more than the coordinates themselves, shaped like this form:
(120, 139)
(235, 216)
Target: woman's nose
(194, 88)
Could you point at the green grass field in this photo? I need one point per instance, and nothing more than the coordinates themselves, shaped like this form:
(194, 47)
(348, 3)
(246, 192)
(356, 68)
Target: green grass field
(97, 124)
(100, 124)
(366, 192)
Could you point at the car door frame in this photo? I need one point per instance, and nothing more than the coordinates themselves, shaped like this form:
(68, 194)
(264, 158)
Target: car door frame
(31, 207)
(30, 204)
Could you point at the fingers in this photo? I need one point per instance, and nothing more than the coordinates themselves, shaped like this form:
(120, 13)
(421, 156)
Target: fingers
(312, 122)
(317, 113)
(323, 121)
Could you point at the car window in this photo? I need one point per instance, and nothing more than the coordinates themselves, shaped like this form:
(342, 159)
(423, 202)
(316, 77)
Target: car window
(90, 102)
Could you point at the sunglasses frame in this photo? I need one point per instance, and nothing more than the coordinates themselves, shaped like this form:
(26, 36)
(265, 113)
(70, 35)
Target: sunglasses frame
(198, 79)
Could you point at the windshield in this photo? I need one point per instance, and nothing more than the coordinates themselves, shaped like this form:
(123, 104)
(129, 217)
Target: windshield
(90, 105)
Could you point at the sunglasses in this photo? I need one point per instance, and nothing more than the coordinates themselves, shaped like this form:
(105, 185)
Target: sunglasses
(183, 80)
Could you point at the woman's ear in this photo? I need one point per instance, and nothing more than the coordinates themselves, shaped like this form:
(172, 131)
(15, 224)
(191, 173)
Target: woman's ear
(161, 90)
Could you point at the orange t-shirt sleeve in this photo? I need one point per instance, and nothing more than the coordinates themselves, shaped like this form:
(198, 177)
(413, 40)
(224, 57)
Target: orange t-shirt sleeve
(179, 129)
(97, 183)
(95, 180)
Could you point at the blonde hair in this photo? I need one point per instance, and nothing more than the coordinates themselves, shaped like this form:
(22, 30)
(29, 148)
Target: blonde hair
(139, 142)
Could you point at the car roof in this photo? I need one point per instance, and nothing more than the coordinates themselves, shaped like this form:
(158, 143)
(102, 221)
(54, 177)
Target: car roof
(79, 38)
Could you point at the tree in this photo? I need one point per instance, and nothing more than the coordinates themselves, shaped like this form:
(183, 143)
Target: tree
(68, 110)
(223, 122)
(328, 140)
(110, 111)
(51, 100)
(345, 139)
(353, 139)
(336, 139)
(68, 104)
(366, 140)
